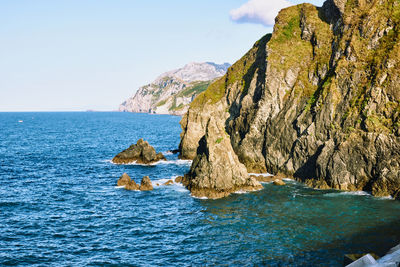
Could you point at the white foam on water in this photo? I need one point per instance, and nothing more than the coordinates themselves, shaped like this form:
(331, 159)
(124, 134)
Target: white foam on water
(262, 174)
(161, 162)
(198, 197)
(119, 187)
(352, 193)
(160, 181)
(167, 153)
(386, 198)
(241, 192)
(245, 192)
(176, 162)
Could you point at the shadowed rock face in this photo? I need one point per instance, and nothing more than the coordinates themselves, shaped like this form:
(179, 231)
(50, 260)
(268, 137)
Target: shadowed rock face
(216, 171)
(142, 152)
(319, 100)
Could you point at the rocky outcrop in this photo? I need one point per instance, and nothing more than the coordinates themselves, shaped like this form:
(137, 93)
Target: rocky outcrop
(319, 99)
(141, 152)
(172, 92)
(216, 171)
(145, 184)
(127, 182)
(124, 180)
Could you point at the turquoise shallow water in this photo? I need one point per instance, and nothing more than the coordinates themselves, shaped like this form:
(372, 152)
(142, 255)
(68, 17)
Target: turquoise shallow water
(59, 205)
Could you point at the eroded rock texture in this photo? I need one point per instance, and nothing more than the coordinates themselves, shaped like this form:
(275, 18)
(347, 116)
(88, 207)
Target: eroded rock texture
(318, 99)
(216, 171)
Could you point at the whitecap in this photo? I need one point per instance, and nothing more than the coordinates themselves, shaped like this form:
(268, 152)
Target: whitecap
(120, 186)
(161, 162)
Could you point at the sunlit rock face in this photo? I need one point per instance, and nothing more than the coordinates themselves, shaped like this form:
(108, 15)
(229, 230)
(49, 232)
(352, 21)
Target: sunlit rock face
(318, 99)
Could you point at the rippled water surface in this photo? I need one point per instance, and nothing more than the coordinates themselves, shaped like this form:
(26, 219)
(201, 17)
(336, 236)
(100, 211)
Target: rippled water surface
(59, 204)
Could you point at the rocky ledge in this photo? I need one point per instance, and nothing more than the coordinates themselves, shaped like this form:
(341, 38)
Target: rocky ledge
(141, 152)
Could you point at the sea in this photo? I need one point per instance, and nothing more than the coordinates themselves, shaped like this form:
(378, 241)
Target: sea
(60, 206)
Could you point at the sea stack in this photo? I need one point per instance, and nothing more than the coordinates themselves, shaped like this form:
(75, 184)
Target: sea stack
(141, 152)
(216, 171)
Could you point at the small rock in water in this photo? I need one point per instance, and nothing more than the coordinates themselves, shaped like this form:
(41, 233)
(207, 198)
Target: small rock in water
(174, 151)
(145, 184)
(124, 180)
(279, 182)
(178, 179)
(169, 182)
(141, 152)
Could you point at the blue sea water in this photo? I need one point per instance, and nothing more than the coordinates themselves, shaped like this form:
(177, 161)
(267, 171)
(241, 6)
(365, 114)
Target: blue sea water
(59, 204)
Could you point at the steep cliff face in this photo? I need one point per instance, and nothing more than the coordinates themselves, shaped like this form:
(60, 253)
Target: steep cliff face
(318, 99)
(172, 92)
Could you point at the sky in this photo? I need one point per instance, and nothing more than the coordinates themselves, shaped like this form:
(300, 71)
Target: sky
(76, 55)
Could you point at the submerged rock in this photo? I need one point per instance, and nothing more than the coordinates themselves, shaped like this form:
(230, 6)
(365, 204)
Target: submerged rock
(141, 152)
(279, 182)
(216, 171)
(169, 182)
(145, 184)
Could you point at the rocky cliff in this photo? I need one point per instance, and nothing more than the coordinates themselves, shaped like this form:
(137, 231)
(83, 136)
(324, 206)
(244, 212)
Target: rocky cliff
(172, 92)
(318, 99)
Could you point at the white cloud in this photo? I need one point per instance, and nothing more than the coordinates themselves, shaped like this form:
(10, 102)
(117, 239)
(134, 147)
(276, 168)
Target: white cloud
(259, 11)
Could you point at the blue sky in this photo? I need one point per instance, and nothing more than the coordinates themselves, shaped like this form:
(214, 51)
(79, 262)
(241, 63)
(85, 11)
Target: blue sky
(75, 55)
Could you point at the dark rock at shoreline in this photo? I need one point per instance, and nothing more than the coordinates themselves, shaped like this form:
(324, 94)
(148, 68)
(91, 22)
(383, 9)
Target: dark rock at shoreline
(145, 184)
(141, 152)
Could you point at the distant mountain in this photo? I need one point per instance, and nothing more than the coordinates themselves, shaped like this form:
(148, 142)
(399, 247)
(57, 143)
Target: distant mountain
(172, 92)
